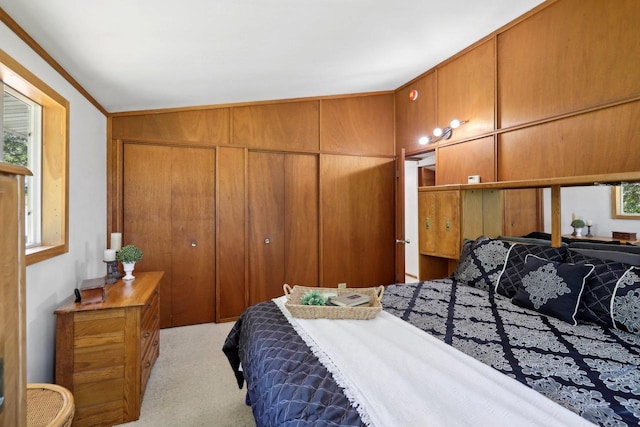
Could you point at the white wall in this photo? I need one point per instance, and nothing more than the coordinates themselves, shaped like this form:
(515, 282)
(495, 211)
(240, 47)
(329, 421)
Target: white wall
(51, 282)
(588, 203)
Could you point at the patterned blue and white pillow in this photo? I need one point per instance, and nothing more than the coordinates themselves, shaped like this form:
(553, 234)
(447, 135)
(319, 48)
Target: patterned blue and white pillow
(483, 264)
(552, 288)
(595, 305)
(511, 276)
(625, 304)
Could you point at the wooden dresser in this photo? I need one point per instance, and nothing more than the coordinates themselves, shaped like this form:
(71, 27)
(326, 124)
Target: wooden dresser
(105, 351)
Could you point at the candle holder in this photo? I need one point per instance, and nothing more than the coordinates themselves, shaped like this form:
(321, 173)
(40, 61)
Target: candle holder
(113, 275)
(589, 231)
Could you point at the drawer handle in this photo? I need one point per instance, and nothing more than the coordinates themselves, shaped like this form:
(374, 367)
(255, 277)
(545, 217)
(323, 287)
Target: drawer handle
(155, 343)
(146, 334)
(427, 224)
(447, 226)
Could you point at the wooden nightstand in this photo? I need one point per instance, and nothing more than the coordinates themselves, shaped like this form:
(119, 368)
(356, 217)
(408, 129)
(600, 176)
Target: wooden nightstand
(105, 351)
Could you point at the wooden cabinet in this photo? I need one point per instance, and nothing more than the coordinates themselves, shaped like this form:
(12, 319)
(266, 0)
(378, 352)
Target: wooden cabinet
(105, 351)
(439, 232)
(12, 297)
(446, 218)
(169, 211)
(283, 222)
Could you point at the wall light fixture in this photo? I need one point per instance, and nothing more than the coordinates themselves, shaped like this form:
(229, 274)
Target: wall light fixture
(440, 133)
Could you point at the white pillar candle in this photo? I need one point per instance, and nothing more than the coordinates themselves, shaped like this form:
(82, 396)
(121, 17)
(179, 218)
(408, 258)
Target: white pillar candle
(589, 223)
(116, 241)
(109, 255)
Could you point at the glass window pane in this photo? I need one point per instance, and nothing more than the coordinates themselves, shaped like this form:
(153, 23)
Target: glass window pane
(21, 121)
(630, 199)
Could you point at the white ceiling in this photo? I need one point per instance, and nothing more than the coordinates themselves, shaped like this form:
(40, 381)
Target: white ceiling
(148, 54)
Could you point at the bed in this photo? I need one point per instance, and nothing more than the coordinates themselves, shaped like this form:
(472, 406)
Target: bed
(546, 334)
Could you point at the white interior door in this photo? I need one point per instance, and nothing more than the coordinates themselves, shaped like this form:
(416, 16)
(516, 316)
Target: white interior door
(411, 221)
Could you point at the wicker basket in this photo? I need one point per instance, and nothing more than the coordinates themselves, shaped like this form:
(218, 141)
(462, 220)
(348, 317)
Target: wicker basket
(362, 312)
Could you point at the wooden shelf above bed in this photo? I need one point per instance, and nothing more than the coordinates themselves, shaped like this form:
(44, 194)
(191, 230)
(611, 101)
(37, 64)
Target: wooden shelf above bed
(571, 181)
(554, 183)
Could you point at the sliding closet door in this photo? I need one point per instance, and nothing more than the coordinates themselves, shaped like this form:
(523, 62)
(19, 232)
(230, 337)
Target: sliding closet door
(169, 213)
(266, 225)
(192, 236)
(301, 220)
(283, 222)
(147, 213)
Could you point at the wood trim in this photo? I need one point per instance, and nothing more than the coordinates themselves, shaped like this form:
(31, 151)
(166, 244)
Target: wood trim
(245, 104)
(556, 217)
(571, 181)
(25, 37)
(55, 157)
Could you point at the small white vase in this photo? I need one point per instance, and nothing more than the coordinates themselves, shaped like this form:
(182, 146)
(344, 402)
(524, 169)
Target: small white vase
(128, 269)
(578, 232)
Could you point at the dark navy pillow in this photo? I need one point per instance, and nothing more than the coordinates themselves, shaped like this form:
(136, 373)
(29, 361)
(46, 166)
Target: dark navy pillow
(625, 307)
(483, 264)
(510, 278)
(552, 288)
(595, 306)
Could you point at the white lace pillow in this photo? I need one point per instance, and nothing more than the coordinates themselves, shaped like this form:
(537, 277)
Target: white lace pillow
(625, 304)
(552, 288)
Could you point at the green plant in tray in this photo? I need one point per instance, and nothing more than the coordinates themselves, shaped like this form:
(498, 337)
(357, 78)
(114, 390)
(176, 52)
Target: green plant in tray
(313, 298)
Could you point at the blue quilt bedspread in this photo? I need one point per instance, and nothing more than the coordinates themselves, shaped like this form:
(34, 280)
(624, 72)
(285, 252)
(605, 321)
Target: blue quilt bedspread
(589, 369)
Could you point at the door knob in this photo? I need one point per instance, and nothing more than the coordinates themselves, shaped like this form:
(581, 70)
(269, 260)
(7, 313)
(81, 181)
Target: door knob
(267, 241)
(194, 244)
(406, 242)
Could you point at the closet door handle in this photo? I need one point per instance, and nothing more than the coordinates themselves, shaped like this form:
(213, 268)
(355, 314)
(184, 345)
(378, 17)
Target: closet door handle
(427, 224)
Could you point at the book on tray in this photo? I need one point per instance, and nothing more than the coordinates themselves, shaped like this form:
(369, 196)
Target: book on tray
(352, 299)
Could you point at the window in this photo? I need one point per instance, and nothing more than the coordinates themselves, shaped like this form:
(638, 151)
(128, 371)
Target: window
(625, 201)
(35, 121)
(21, 120)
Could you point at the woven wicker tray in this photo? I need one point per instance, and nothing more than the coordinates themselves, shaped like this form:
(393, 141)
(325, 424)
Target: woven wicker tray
(362, 312)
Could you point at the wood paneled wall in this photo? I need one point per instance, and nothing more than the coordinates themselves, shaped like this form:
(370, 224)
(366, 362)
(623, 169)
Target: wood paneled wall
(286, 126)
(554, 90)
(349, 139)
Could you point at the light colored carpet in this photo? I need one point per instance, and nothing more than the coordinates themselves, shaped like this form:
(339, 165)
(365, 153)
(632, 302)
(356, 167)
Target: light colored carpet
(192, 383)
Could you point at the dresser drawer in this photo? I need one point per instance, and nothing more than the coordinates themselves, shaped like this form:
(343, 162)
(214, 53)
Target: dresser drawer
(151, 311)
(150, 325)
(149, 356)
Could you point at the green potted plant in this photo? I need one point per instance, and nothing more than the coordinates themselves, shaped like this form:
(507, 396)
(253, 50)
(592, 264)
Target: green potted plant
(577, 225)
(128, 256)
